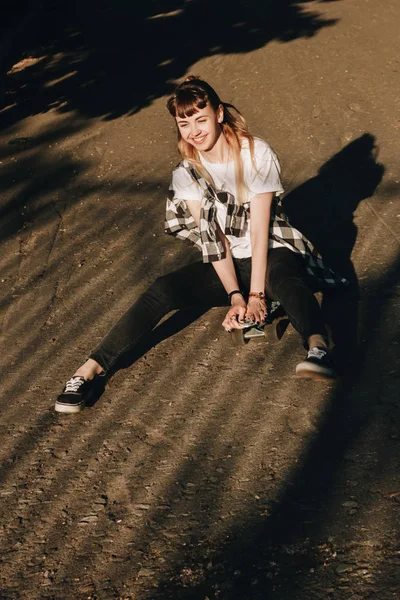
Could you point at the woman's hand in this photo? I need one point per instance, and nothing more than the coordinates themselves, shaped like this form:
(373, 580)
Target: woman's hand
(234, 318)
(256, 310)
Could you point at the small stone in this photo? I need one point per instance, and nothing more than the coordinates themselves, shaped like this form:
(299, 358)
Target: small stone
(316, 112)
(99, 534)
(169, 535)
(346, 138)
(146, 573)
(342, 568)
(89, 519)
(350, 504)
(355, 107)
(102, 500)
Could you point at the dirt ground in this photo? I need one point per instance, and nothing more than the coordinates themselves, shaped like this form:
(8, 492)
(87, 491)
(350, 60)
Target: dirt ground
(202, 471)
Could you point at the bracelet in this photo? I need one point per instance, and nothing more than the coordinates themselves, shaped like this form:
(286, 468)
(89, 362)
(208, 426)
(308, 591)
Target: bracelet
(234, 292)
(259, 295)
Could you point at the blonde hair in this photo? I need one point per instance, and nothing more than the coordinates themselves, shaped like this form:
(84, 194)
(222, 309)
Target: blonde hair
(191, 96)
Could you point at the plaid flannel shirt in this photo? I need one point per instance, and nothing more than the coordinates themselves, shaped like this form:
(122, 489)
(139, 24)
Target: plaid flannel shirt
(180, 223)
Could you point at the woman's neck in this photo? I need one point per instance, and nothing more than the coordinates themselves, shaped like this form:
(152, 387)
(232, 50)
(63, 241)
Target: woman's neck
(220, 152)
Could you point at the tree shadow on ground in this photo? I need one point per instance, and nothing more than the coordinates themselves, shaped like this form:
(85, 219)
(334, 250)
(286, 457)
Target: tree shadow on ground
(107, 59)
(110, 59)
(137, 434)
(30, 174)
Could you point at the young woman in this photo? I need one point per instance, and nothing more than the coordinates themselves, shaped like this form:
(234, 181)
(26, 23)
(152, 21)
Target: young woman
(224, 199)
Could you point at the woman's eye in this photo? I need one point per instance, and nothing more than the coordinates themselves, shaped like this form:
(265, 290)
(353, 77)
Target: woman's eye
(201, 121)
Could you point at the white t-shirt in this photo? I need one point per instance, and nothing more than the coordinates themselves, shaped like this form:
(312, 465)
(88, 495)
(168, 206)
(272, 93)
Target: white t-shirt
(265, 178)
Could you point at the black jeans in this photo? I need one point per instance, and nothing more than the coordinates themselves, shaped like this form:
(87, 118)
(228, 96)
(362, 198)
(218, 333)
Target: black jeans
(197, 285)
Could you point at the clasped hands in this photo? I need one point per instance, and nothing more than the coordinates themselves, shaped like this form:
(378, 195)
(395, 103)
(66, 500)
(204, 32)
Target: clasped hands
(254, 310)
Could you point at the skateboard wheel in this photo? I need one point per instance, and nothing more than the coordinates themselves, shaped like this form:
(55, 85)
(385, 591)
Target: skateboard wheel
(271, 333)
(238, 338)
(274, 331)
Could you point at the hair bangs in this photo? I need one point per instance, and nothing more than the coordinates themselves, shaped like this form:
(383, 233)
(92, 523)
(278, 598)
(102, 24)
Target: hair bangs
(188, 102)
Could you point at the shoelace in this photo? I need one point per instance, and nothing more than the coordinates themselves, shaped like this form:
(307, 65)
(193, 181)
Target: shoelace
(316, 353)
(74, 384)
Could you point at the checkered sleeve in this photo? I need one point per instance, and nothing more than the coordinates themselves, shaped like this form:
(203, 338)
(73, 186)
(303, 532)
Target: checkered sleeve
(179, 221)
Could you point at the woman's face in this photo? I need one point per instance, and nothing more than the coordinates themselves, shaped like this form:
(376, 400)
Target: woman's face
(202, 129)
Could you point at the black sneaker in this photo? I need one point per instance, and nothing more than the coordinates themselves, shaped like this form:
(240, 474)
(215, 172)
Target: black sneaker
(317, 365)
(72, 398)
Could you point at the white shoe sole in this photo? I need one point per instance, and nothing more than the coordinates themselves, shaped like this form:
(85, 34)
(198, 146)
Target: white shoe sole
(312, 371)
(69, 408)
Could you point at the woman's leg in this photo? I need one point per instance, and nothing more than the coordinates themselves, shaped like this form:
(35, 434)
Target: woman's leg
(193, 285)
(287, 283)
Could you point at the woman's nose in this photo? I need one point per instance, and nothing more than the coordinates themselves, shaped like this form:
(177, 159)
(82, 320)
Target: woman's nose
(194, 129)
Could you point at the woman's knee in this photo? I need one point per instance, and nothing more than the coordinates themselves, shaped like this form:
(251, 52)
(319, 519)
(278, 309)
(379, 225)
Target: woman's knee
(285, 276)
(279, 273)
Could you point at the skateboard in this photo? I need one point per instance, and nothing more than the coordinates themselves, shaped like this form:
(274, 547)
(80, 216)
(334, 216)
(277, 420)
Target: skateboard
(271, 330)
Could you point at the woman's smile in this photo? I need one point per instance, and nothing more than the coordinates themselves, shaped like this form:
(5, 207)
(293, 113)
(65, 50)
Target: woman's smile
(200, 139)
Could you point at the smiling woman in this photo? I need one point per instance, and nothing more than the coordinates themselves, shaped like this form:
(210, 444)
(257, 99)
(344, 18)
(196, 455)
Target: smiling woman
(224, 198)
(217, 130)
(202, 131)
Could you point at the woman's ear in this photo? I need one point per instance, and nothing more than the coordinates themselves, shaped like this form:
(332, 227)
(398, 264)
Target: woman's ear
(220, 113)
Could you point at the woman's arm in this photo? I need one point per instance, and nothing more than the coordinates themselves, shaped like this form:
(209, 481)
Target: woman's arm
(260, 213)
(225, 270)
